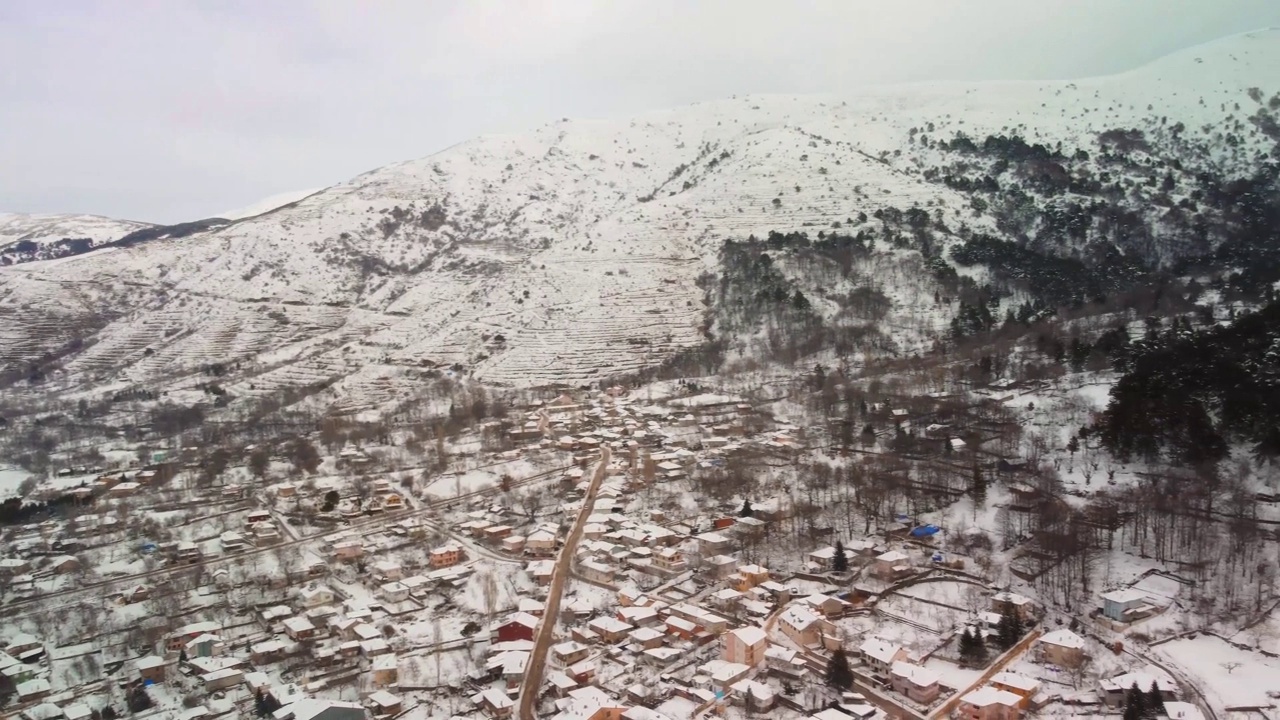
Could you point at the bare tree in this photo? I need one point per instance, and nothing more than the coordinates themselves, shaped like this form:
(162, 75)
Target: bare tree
(531, 502)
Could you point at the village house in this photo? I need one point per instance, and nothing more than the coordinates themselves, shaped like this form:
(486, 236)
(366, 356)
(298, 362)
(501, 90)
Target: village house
(1020, 604)
(1062, 648)
(151, 668)
(713, 543)
(540, 543)
(745, 645)
(670, 560)
(681, 628)
(383, 703)
(589, 703)
(917, 683)
(596, 571)
(561, 683)
(187, 553)
(880, 655)
(222, 679)
(495, 533)
(825, 605)
(232, 542)
(385, 670)
(509, 665)
(726, 600)
(520, 626)
(315, 596)
(385, 570)
(610, 630)
(647, 638)
(749, 576)
(123, 490)
(495, 703)
(755, 696)
(719, 567)
(1020, 685)
(446, 556)
(1127, 605)
(639, 616)
(179, 638)
(348, 550)
(64, 564)
(299, 628)
(513, 544)
(394, 592)
(661, 657)
(990, 703)
(267, 651)
(206, 645)
(823, 559)
(568, 653)
(800, 624)
(33, 690)
(891, 565)
(541, 571)
(786, 662)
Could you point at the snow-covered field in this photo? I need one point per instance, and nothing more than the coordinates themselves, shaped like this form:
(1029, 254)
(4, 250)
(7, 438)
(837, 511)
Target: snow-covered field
(10, 480)
(1228, 676)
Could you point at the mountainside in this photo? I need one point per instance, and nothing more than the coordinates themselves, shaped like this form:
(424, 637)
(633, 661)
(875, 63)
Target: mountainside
(24, 238)
(584, 249)
(267, 204)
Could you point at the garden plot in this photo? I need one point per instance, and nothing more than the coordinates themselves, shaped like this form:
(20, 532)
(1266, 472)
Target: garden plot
(914, 638)
(937, 617)
(955, 595)
(1229, 677)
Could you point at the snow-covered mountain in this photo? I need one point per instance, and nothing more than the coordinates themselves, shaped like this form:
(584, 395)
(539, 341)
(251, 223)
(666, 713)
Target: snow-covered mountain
(40, 237)
(573, 252)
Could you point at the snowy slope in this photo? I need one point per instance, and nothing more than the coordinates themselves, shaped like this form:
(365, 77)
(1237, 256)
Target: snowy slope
(567, 253)
(267, 204)
(29, 237)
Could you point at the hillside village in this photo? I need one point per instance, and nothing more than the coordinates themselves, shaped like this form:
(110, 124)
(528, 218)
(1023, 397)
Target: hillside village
(577, 576)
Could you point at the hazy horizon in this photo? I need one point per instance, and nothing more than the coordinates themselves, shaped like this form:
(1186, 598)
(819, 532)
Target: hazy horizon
(165, 112)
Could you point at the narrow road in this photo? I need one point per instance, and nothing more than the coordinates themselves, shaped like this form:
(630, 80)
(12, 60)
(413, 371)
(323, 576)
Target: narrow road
(532, 680)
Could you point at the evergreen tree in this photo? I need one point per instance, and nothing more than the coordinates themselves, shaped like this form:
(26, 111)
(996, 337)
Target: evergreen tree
(746, 510)
(1009, 629)
(1153, 702)
(840, 561)
(839, 674)
(973, 649)
(1135, 703)
(979, 487)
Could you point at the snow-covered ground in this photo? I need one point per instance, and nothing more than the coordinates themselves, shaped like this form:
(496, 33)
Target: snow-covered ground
(1228, 676)
(10, 480)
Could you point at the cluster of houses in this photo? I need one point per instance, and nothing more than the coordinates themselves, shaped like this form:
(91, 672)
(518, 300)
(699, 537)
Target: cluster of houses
(326, 632)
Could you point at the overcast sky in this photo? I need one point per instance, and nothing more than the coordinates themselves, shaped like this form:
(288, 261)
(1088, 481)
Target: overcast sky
(167, 111)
